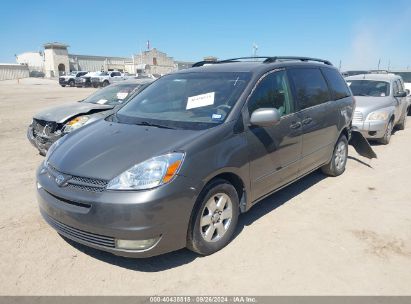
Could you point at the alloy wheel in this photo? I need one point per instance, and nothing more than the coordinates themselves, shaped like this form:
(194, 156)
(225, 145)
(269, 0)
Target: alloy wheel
(216, 217)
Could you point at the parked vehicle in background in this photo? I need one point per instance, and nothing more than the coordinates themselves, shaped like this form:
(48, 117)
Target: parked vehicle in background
(406, 77)
(51, 124)
(85, 80)
(70, 79)
(353, 73)
(177, 164)
(106, 78)
(380, 105)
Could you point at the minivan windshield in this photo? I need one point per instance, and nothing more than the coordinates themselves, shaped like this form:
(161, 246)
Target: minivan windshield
(372, 88)
(193, 100)
(112, 94)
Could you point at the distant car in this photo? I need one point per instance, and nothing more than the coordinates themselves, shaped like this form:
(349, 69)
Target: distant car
(70, 79)
(85, 80)
(51, 124)
(380, 105)
(106, 78)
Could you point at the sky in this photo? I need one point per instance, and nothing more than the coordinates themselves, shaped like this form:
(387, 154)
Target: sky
(357, 33)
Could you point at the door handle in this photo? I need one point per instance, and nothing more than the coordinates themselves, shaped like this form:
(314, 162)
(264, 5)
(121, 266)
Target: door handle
(307, 120)
(295, 125)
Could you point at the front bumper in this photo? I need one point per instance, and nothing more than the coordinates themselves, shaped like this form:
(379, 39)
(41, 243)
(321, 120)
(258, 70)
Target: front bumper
(42, 143)
(98, 219)
(370, 129)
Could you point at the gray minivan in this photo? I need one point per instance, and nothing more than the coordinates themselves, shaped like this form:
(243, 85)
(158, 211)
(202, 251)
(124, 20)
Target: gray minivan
(177, 164)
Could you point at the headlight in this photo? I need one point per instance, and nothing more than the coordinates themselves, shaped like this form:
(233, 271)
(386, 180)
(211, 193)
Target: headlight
(378, 116)
(148, 174)
(75, 123)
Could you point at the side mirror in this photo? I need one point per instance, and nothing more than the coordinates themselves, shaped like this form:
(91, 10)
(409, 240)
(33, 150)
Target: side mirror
(401, 94)
(265, 117)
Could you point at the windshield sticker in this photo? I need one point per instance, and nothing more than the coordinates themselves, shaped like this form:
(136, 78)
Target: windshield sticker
(199, 101)
(122, 95)
(102, 101)
(216, 117)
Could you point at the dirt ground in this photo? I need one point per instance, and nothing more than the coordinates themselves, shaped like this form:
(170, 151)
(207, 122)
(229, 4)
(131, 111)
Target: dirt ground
(349, 235)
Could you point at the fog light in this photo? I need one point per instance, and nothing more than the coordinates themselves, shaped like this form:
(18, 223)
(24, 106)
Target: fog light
(136, 244)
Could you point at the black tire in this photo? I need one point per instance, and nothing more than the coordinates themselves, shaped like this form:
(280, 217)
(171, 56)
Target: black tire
(95, 85)
(385, 140)
(71, 83)
(401, 125)
(338, 161)
(63, 85)
(105, 83)
(196, 234)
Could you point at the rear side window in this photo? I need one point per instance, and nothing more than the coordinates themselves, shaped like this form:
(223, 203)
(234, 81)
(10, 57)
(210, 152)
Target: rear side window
(337, 84)
(310, 87)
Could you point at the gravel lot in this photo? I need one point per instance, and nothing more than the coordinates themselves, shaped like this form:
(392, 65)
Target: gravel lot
(349, 235)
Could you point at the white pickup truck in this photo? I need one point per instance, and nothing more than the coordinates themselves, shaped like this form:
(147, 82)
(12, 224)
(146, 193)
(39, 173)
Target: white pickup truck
(106, 78)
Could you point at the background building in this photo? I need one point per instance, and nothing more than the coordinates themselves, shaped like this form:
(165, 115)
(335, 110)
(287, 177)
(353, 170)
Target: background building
(55, 60)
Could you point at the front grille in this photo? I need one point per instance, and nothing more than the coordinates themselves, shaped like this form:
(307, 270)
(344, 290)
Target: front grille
(81, 183)
(358, 116)
(71, 232)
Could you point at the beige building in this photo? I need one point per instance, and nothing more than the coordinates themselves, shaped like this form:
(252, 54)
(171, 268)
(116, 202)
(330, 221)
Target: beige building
(55, 60)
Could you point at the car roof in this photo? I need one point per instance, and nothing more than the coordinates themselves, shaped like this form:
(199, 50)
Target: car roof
(376, 76)
(254, 67)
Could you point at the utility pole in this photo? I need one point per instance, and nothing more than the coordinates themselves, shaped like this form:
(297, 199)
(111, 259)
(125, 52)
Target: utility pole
(389, 65)
(255, 48)
(379, 61)
(339, 66)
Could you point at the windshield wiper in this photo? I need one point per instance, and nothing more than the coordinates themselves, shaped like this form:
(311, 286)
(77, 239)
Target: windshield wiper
(150, 124)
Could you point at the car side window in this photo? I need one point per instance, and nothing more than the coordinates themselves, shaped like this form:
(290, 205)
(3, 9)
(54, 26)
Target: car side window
(309, 86)
(337, 84)
(394, 87)
(400, 86)
(272, 92)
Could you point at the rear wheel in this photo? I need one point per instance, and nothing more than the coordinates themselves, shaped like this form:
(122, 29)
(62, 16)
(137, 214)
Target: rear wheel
(339, 159)
(63, 85)
(387, 135)
(214, 218)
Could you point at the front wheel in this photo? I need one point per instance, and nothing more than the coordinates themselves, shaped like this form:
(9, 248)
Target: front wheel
(387, 135)
(214, 218)
(401, 125)
(71, 83)
(105, 83)
(63, 85)
(339, 159)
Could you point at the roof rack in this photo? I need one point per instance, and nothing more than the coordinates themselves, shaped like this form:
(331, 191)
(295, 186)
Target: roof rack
(267, 59)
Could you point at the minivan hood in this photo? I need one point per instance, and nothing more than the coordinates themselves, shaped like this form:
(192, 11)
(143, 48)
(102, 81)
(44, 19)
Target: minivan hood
(367, 104)
(62, 113)
(105, 149)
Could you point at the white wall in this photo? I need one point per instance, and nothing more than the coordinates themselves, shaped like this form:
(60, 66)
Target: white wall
(13, 71)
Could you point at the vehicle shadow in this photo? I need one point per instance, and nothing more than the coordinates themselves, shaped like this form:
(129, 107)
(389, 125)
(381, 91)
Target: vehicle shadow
(360, 161)
(184, 256)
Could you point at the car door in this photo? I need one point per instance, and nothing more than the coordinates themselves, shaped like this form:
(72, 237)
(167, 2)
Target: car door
(402, 100)
(274, 151)
(311, 92)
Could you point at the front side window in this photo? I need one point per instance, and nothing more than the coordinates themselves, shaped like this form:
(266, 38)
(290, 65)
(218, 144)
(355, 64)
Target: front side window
(337, 84)
(272, 92)
(310, 87)
(194, 100)
(374, 88)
